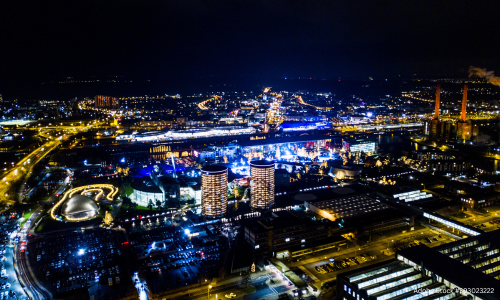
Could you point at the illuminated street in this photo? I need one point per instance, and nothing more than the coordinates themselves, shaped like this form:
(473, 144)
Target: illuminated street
(22, 169)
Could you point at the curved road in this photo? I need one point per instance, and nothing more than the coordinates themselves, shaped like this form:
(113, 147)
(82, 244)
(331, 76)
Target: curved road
(26, 276)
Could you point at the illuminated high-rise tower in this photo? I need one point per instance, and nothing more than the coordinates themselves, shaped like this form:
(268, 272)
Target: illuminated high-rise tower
(214, 191)
(262, 184)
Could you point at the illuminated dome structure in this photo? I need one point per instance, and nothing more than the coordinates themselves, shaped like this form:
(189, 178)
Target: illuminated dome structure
(79, 207)
(74, 206)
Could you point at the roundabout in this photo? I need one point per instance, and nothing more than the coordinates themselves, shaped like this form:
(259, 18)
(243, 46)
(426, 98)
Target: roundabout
(81, 203)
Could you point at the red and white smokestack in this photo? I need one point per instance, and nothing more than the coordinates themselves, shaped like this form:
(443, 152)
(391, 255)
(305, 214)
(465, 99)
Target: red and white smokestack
(438, 101)
(464, 104)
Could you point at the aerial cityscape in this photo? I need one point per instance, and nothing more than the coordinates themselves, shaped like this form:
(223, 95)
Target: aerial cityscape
(254, 150)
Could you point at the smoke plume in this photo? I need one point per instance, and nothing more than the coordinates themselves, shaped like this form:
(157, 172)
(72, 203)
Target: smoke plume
(483, 73)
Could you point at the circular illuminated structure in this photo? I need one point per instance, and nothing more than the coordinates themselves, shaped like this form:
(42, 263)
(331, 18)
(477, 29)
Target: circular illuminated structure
(214, 191)
(145, 190)
(74, 206)
(79, 207)
(262, 184)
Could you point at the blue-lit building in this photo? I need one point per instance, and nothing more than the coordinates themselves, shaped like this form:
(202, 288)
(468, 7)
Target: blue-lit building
(170, 188)
(301, 126)
(287, 146)
(216, 154)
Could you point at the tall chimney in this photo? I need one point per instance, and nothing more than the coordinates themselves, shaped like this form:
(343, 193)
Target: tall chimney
(438, 100)
(464, 104)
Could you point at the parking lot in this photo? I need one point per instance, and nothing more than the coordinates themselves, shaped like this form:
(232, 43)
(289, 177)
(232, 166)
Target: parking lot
(170, 259)
(75, 260)
(147, 221)
(488, 225)
(378, 251)
(340, 264)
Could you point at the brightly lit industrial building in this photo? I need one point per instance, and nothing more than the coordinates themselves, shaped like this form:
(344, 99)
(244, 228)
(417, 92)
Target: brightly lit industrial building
(262, 184)
(465, 269)
(182, 134)
(302, 126)
(410, 196)
(359, 145)
(344, 203)
(214, 191)
(481, 252)
(355, 209)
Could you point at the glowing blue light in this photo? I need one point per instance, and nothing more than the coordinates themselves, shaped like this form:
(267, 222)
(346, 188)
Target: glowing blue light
(243, 170)
(369, 114)
(123, 160)
(81, 252)
(187, 231)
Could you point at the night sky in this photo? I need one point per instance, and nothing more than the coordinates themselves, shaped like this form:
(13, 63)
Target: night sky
(194, 40)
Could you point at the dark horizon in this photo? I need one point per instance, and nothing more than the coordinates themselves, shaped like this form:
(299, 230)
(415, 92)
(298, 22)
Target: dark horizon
(131, 88)
(176, 42)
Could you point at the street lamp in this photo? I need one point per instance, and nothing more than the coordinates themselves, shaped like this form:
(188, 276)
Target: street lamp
(208, 295)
